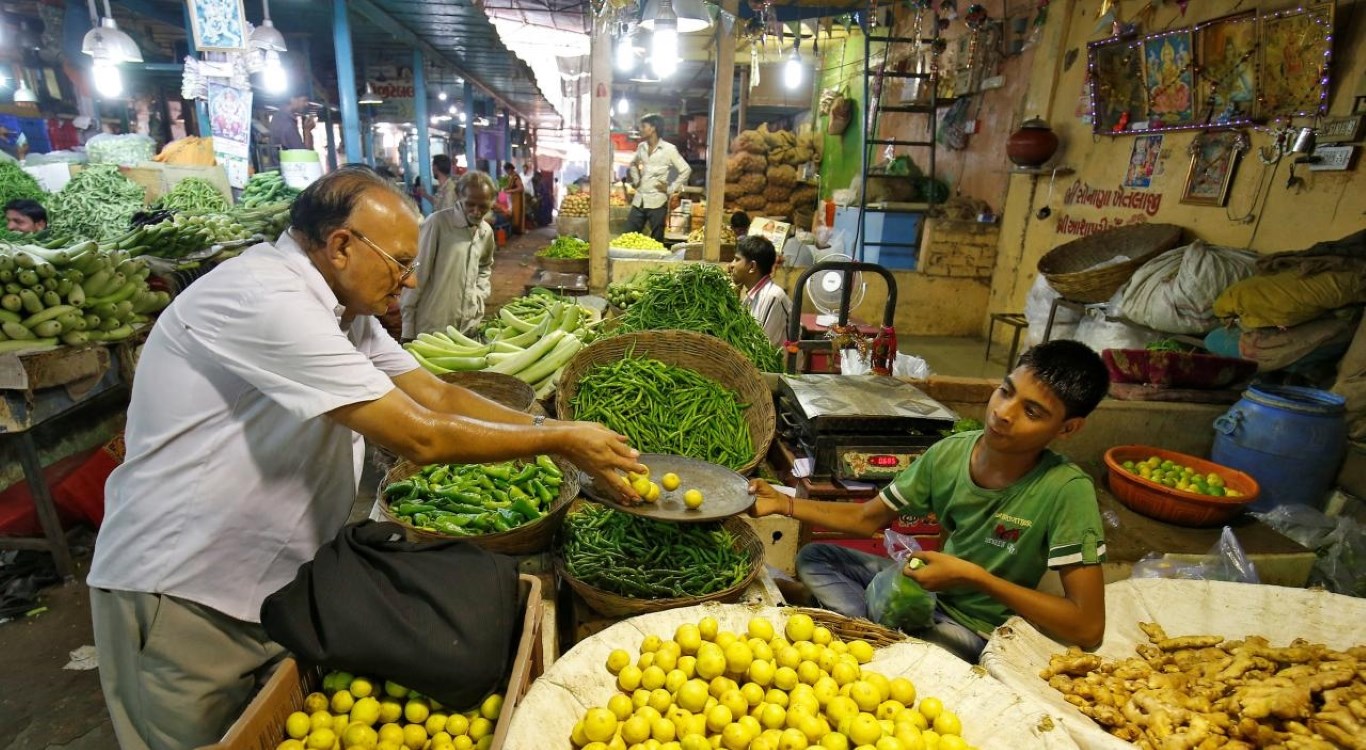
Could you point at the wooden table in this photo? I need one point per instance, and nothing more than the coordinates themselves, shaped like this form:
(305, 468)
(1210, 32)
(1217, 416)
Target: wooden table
(35, 389)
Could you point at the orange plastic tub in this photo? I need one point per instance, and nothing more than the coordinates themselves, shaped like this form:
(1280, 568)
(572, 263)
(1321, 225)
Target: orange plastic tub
(1172, 505)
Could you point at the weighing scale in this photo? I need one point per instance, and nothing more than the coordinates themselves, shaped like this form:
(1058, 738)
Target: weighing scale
(859, 427)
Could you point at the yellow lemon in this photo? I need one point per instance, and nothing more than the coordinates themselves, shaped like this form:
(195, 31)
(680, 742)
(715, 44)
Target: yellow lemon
(888, 743)
(735, 737)
(395, 690)
(718, 718)
(866, 696)
(799, 627)
(693, 695)
(315, 702)
(617, 661)
(808, 672)
(707, 627)
(688, 638)
(670, 481)
(321, 739)
(457, 724)
(883, 685)
(825, 689)
(320, 720)
(640, 698)
(628, 678)
(674, 680)
(760, 648)
(760, 673)
(361, 687)
(738, 657)
(342, 701)
(693, 499)
(952, 742)
(660, 700)
(416, 710)
(862, 650)
(663, 730)
(761, 628)
(642, 487)
(844, 673)
(652, 678)
(711, 663)
(947, 723)
(620, 705)
(793, 739)
(909, 736)
(648, 713)
(414, 737)
(391, 733)
(785, 678)
(834, 741)
(291, 745)
(688, 666)
(840, 708)
(720, 685)
(599, 725)
(366, 711)
(651, 493)
(903, 691)
(763, 743)
(931, 739)
(463, 742)
(635, 730)
(914, 718)
(735, 702)
(931, 708)
(390, 710)
(773, 716)
(298, 725)
(864, 730)
(646, 660)
(821, 636)
(359, 735)
(666, 658)
(651, 644)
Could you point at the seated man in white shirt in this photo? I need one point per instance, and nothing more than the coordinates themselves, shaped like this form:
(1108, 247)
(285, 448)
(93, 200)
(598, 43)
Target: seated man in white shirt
(752, 271)
(245, 445)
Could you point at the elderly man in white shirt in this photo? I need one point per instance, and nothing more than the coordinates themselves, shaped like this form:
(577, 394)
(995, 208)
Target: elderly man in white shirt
(244, 450)
(655, 159)
(455, 262)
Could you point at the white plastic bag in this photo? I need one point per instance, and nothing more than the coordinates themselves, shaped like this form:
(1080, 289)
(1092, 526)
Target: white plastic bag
(1224, 562)
(1037, 306)
(128, 150)
(1099, 332)
(1175, 291)
(909, 366)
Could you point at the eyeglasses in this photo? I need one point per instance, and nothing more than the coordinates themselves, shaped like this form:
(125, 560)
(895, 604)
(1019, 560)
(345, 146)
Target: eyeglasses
(406, 270)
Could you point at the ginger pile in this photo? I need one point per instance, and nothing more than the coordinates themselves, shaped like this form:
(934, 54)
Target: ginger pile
(1201, 692)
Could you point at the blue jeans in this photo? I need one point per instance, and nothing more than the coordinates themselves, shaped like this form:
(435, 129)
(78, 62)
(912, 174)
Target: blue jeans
(838, 577)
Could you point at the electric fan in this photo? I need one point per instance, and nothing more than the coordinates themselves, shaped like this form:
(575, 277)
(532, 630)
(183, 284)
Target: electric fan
(825, 287)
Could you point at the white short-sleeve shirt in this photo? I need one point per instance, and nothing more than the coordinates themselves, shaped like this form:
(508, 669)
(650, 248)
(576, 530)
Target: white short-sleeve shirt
(234, 475)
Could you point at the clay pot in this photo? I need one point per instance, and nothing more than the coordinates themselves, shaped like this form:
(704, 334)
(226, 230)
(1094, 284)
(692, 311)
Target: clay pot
(1033, 144)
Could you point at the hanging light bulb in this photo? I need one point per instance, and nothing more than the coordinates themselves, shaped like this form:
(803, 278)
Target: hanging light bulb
(452, 109)
(626, 52)
(623, 105)
(441, 95)
(273, 75)
(108, 79)
(24, 94)
(792, 69)
(462, 118)
(664, 60)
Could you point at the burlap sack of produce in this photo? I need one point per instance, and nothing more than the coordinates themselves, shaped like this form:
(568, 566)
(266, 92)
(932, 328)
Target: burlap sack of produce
(751, 202)
(745, 163)
(753, 183)
(1287, 299)
(778, 194)
(1351, 384)
(992, 715)
(775, 210)
(1017, 651)
(782, 175)
(751, 141)
(804, 194)
(733, 191)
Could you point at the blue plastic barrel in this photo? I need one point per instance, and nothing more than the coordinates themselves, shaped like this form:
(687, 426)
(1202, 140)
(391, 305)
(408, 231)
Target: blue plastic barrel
(1291, 440)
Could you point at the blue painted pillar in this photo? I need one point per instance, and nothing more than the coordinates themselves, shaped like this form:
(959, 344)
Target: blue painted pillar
(424, 138)
(507, 140)
(201, 107)
(470, 141)
(346, 81)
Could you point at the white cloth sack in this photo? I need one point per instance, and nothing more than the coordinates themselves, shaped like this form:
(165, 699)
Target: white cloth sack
(1017, 651)
(1100, 331)
(1175, 291)
(1037, 305)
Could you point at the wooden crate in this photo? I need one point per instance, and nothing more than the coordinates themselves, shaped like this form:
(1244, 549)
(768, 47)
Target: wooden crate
(262, 725)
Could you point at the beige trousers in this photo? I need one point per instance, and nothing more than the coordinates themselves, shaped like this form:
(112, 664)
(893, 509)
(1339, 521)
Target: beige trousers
(175, 674)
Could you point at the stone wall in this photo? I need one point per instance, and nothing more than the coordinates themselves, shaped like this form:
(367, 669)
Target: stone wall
(964, 249)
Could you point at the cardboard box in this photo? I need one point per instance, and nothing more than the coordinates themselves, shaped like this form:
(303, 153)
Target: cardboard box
(262, 725)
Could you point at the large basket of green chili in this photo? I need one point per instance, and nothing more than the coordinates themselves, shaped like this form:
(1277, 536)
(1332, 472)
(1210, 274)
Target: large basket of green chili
(512, 507)
(675, 392)
(623, 564)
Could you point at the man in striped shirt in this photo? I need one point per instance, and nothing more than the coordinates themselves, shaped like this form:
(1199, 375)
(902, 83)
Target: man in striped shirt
(1010, 508)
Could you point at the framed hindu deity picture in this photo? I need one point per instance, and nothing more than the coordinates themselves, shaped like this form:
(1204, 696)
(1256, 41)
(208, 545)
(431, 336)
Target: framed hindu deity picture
(218, 25)
(1295, 46)
(1226, 85)
(1214, 159)
(1169, 76)
(1117, 93)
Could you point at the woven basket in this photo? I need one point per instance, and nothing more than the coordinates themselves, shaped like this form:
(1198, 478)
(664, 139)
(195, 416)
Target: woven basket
(615, 605)
(851, 628)
(563, 265)
(705, 355)
(526, 539)
(494, 386)
(1065, 266)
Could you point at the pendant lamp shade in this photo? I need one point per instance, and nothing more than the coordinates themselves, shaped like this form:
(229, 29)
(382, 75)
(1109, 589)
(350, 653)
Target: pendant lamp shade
(109, 42)
(692, 15)
(370, 97)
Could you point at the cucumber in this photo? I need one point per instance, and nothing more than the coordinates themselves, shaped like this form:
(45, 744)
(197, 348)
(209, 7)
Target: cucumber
(9, 347)
(17, 331)
(48, 329)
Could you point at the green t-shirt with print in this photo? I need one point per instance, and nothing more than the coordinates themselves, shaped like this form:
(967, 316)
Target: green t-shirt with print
(1049, 518)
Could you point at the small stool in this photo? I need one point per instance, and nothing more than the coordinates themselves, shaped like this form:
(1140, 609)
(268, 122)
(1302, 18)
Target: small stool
(1014, 320)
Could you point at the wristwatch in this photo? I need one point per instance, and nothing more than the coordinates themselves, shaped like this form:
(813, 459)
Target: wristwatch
(538, 420)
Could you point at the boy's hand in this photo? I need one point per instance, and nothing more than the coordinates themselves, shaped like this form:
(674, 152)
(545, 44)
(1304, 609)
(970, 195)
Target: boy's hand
(767, 500)
(941, 571)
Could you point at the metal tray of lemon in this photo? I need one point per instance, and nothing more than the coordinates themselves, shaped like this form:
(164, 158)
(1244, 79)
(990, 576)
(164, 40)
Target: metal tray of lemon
(680, 489)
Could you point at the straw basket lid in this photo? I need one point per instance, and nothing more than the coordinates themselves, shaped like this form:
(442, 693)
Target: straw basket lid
(529, 538)
(1071, 269)
(994, 716)
(705, 355)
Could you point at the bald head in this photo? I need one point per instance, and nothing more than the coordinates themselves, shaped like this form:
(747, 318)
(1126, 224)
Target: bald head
(329, 204)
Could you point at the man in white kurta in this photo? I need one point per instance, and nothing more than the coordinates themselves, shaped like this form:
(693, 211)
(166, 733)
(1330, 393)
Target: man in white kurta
(455, 263)
(244, 437)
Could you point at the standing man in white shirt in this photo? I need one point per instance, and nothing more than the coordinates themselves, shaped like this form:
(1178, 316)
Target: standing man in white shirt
(455, 262)
(655, 159)
(244, 450)
(752, 271)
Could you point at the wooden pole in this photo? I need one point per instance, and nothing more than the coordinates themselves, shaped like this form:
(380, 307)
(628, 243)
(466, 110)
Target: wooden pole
(600, 150)
(718, 141)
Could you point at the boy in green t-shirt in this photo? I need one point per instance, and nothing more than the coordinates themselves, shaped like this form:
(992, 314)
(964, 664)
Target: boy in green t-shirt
(1010, 509)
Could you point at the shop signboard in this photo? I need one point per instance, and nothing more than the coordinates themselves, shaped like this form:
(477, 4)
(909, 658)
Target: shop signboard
(230, 124)
(399, 103)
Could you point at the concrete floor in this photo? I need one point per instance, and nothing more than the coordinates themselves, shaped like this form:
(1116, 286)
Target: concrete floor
(44, 707)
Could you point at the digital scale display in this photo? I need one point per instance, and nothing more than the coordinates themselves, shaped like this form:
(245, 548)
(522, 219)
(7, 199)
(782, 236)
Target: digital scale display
(874, 464)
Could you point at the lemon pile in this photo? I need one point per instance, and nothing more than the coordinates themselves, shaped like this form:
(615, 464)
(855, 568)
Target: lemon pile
(802, 688)
(1170, 474)
(352, 712)
(637, 241)
(650, 491)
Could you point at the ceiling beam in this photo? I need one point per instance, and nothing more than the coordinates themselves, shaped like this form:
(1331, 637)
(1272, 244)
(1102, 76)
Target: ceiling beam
(383, 20)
